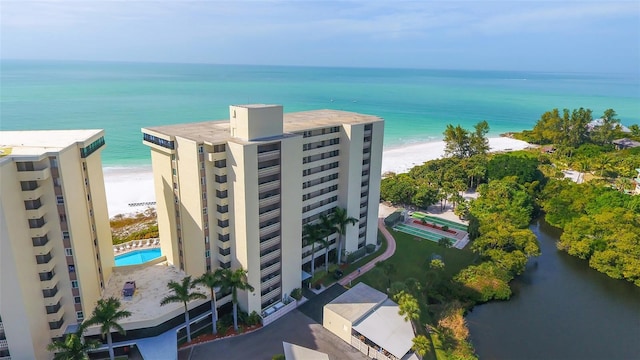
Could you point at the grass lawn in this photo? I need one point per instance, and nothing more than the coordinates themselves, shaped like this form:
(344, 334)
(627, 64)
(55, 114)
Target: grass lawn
(411, 260)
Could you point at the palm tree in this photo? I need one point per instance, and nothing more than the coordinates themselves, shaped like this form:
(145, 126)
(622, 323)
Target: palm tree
(340, 220)
(232, 280)
(182, 293)
(312, 233)
(408, 307)
(73, 347)
(421, 345)
(212, 280)
(107, 313)
(327, 227)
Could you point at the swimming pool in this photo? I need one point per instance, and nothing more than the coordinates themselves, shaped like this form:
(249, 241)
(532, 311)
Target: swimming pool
(137, 257)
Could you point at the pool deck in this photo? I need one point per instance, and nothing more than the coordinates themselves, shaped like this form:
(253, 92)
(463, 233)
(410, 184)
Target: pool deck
(151, 288)
(133, 245)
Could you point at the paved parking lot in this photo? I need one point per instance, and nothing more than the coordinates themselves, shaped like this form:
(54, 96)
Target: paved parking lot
(295, 328)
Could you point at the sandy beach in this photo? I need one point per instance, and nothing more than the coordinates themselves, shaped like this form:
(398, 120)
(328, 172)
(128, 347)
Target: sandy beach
(130, 189)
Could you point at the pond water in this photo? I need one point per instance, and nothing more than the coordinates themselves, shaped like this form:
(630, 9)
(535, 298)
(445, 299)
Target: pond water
(561, 309)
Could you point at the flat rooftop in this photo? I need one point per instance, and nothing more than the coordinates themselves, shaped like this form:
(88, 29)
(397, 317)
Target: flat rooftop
(151, 288)
(356, 302)
(39, 142)
(218, 130)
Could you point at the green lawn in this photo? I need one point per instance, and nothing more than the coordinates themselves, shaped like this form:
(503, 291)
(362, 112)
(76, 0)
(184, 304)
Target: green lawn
(411, 260)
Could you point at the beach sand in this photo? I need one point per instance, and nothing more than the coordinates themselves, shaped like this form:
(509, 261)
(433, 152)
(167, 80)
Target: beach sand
(130, 189)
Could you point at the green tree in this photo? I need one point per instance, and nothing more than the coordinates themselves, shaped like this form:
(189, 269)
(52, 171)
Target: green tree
(107, 313)
(478, 142)
(421, 345)
(341, 219)
(327, 229)
(234, 280)
(456, 141)
(398, 189)
(604, 133)
(73, 347)
(182, 293)
(212, 280)
(312, 234)
(408, 307)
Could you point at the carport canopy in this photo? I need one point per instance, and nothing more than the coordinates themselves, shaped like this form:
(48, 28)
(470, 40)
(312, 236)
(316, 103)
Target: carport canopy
(296, 352)
(387, 329)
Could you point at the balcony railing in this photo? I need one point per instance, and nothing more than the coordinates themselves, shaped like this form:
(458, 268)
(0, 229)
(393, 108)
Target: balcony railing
(268, 270)
(34, 175)
(269, 171)
(269, 200)
(273, 281)
(269, 243)
(269, 155)
(269, 186)
(269, 229)
(270, 256)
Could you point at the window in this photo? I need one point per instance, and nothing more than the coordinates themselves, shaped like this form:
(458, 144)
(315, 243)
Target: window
(207, 253)
(206, 239)
(223, 238)
(54, 162)
(65, 235)
(173, 171)
(224, 252)
(72, 268)
(159, 141)
(219, 148)
(204, 211)
(74, 284)
(220, 163)
(221, 194)
(204, 196)
(223, 223)
(68, 251)
(79, 315)
(86, 151)
(76, 299)
(200, 149)
(221, 179)
(202, 181)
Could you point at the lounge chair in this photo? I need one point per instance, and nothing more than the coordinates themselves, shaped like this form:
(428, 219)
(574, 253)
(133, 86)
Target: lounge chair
(149, 242)
(157, 242)
(128, 246)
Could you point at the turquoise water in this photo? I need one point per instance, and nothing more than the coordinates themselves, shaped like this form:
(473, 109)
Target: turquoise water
(416, 104)
(137, 257)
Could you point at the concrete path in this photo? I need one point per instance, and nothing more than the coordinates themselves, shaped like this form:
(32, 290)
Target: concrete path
(391, 249)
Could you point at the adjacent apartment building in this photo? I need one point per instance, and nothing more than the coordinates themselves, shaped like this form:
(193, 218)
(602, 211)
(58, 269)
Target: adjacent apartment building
(55, 243)
(237, 193)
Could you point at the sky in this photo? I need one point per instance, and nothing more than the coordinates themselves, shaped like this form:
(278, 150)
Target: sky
(570, 36)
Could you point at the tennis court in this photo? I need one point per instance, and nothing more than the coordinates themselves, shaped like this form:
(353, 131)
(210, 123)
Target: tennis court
(420, 232)
(433, 219)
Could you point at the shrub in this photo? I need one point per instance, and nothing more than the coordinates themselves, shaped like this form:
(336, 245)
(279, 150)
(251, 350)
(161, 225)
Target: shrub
(445, 228)
(278, 357)
(333, 267)
(370, 248)
(356, 255)
(296, 293)
(253, 319)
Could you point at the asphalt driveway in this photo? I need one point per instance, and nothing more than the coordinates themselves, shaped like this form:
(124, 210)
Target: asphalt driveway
(295, 328)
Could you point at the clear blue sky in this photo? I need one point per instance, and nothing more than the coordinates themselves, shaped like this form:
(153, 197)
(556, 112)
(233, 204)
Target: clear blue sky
(580, 36)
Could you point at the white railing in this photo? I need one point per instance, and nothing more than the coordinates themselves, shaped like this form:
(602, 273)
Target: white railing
(270, 256)
(135, 245)
(4, 344)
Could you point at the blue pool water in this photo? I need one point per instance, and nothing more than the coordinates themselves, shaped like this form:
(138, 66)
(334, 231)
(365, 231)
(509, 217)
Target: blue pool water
(137, 257)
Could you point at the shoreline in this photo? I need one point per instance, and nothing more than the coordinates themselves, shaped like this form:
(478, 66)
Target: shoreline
(130, 189)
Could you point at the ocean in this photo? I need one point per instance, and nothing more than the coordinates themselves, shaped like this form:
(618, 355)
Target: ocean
(416, 104)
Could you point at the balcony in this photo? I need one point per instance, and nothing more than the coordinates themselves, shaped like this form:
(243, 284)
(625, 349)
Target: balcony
(269, 229)
(4, 345)
(56, 316)
(269, 243)
(268, 270)
(39, 231)
(269, 215)
(50, 283)
(272, 185)
(268, 171)
(269, 200)
(43, 249)
(32, 194)
(269, 155)
(367, 133)
(270, 256)
(213, 156)
(34, 175)
(271, 282)
(366, 156)
(270, 295)
(36, 213)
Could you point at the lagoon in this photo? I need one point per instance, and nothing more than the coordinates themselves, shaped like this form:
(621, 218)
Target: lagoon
(561, 309)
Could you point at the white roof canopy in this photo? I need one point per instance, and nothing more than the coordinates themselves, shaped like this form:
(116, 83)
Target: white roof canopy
(388, 329)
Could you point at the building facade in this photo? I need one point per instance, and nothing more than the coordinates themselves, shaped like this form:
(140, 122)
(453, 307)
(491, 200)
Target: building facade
(56, 252)
(237, 193)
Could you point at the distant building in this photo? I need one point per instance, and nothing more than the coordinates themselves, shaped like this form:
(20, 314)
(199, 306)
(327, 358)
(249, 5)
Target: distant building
(237, 193)
(57, 254)
(625, 143)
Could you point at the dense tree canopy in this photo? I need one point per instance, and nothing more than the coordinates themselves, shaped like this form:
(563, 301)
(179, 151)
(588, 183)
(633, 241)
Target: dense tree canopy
(461, 143)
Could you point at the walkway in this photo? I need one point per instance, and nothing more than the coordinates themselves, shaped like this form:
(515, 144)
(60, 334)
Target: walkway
(391, 249)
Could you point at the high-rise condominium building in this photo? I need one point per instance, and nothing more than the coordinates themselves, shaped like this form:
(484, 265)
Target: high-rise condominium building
(56, 253)
(237, 193)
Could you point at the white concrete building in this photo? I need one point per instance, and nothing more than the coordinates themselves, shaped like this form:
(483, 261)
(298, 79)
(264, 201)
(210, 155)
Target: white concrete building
(55, 243)
(236, 193)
